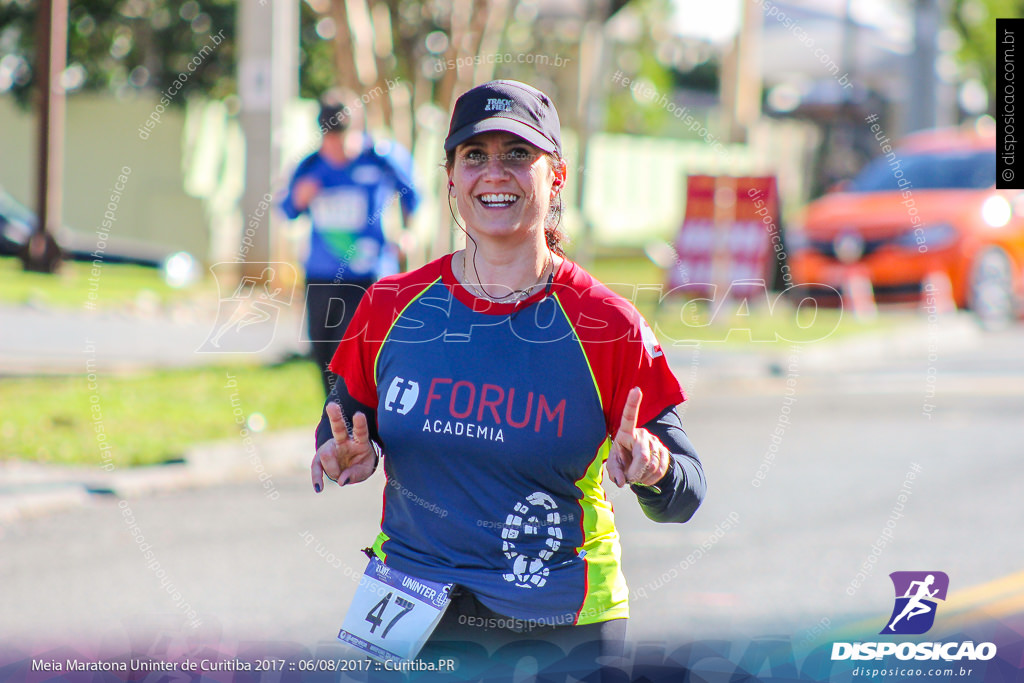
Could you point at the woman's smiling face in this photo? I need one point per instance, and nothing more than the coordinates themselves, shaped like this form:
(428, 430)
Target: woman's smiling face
(503, 185)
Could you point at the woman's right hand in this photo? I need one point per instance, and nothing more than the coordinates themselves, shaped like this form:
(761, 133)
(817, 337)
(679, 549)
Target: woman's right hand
(343, 458)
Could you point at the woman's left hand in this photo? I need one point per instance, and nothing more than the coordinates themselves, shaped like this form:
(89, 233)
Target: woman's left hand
(637, 456)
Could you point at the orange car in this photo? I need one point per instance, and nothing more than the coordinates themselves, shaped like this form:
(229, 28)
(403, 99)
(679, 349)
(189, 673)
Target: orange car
(927, 207)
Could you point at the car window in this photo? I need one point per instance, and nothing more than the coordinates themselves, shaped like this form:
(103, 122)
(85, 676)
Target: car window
(945, 170)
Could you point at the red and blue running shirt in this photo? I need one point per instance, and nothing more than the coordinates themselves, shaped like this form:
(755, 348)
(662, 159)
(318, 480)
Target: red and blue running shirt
(495, 421)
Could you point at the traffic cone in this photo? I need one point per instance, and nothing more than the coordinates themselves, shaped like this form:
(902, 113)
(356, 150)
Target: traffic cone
(937, 293)
(859, 295)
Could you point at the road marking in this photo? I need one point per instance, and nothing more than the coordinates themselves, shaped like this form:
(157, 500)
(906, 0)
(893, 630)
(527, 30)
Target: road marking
(991, 600)
(976, 595)
(997, 610)
(994, 599)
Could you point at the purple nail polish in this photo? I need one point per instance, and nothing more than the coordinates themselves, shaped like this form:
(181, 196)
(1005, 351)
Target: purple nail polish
(316, 487)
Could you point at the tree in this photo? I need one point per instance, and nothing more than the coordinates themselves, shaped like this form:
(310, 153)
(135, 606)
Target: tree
(975, 23)
(645, 51)
(128, 46)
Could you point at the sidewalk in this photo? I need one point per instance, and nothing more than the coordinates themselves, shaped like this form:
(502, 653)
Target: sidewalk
(37, 341)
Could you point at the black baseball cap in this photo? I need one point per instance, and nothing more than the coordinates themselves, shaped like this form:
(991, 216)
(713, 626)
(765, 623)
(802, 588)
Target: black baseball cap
(508, 106)
(335, 114)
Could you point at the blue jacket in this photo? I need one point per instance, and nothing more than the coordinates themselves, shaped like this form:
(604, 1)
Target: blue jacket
(347, 241)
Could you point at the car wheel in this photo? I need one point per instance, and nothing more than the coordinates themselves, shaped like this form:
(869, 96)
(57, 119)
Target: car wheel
(991, 294)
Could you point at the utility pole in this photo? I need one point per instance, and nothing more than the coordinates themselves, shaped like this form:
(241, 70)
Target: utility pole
(922, 101)
(740, 86)
(593, 59)
(42, 253)
(267, 81)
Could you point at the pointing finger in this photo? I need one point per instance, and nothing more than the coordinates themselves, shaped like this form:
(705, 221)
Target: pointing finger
(360, 429)
(629, 416)
(339, 428)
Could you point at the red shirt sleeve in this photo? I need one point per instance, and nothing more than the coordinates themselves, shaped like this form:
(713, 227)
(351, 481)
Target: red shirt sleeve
(621, 348)
(643, 365)
(356, 354)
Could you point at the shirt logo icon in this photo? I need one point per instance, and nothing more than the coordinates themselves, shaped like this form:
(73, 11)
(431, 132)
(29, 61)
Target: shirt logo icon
(536, 526)
(498, 104)
(916, 595)
(650, 341)
(402, 392)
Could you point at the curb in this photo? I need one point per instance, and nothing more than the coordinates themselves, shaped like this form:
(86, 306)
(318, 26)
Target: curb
(950, 331)
(30, 489)
(33, 502)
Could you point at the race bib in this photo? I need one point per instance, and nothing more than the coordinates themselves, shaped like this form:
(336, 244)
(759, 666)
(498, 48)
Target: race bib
(340, 208)
(392, 613)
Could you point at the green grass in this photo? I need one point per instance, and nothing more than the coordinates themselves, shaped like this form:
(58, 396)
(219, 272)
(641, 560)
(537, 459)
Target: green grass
(767, 320)
(150, 417)
(114, 285)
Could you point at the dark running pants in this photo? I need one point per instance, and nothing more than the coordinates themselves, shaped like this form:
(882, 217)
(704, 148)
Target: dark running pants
(329, 310)
(489, 647)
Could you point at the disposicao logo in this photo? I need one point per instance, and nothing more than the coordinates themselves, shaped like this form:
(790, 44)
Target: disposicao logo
(913, 613)
(916, 595)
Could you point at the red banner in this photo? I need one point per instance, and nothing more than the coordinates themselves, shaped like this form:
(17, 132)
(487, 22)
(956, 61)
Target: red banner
(725, 239)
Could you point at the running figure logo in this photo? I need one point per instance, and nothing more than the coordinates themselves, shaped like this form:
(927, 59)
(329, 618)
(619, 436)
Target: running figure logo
(247, 317)
(916, 593)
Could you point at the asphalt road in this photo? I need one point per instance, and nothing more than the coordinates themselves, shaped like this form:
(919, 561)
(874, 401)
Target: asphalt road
(779, 557)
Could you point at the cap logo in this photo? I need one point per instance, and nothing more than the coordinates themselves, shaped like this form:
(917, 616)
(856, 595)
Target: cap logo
(498, 104)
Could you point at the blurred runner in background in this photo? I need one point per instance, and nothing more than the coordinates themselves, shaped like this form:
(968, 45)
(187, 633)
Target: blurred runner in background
(346, 187)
